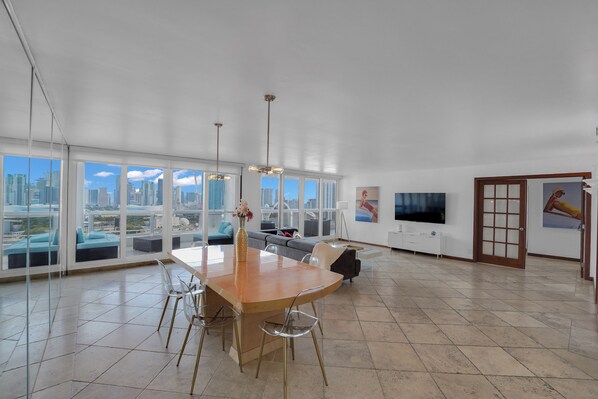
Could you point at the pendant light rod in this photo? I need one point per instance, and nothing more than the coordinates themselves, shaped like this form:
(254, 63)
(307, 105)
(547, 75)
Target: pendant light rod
(218, 126)
(218, 175)
(269, 98)
(267, 169)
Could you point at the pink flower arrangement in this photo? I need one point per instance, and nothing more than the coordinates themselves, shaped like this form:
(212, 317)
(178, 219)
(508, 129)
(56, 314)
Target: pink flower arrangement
(243, 211)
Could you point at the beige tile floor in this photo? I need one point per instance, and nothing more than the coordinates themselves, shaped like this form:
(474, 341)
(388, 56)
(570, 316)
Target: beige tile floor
(410, 326)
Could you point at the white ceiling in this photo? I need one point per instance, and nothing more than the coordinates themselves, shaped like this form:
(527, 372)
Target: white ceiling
(361, 85)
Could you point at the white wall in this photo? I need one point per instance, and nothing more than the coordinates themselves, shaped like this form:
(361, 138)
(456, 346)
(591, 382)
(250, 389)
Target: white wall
(458, 183)
(548, 241)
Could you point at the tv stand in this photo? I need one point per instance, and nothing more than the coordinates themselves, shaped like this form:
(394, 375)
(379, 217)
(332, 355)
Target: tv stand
(417, 242)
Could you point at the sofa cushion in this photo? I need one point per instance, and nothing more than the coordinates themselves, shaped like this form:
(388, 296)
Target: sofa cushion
(95, 235)
(218, 236)
(306, 244)
(44, 237)
(258, 235)
(278, 240)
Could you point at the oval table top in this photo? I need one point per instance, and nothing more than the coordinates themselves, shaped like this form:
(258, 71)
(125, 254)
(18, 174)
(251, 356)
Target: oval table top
(265, 282)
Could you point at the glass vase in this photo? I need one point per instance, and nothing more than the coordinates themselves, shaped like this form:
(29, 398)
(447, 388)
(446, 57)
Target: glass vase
(241, 241)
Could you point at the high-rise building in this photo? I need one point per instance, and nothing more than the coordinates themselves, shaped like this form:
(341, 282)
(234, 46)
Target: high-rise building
(177, 198)
(116, 191)
(93, 197)
(216, 196)
(103, 198)
(148, 193)
(267, 197)
(159, 194)
(15, 189)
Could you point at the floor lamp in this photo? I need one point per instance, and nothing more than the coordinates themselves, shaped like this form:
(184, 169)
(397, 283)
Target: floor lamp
(341, 206)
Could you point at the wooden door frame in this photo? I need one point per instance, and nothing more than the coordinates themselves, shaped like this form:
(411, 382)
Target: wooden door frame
(586, 217)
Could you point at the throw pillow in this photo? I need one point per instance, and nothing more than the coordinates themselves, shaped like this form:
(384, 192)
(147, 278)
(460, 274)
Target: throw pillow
(95, 235)
(80, 236)
(287, 234)
(228, 230)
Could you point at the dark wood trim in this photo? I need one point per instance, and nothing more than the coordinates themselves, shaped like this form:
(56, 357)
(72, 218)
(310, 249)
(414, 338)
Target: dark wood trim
(554, 257)
(587, 235)
(476, 217)
(585, 175)
(458, 258)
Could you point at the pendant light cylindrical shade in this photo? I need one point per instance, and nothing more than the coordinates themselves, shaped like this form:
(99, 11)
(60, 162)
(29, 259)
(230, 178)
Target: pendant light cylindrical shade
(267, 170)
(218, 175)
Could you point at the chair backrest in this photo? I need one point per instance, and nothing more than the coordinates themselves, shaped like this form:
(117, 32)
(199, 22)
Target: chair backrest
(311, 259)
(199, 244)
(297, 298)
(167, 286)
(326, 254)
(190, 306)
(272, 248)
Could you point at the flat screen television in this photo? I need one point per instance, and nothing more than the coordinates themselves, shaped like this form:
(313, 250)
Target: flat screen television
(420, 207)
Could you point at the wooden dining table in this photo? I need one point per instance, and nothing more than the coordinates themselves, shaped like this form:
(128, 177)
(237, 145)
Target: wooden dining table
(261, 288)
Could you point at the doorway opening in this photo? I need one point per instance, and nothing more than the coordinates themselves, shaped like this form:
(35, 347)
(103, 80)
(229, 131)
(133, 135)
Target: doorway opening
(503, 210)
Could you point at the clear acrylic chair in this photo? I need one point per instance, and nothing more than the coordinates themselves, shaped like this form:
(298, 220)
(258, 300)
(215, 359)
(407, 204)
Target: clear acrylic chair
(172, 290)
(201, 315)
(313, 260)
(272, 248)
(296, 324)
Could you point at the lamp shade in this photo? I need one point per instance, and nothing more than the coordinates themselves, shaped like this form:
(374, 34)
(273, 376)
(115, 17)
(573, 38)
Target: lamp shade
(342, 205)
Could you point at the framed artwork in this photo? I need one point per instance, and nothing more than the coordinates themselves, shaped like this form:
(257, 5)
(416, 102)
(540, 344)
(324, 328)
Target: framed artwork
(366, 204)
(562, 205)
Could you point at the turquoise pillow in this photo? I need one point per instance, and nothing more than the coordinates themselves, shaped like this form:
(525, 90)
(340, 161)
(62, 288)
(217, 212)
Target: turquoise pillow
(222, 227)
(228, 230)
(44, 237)
(80, 236)
(56, 237)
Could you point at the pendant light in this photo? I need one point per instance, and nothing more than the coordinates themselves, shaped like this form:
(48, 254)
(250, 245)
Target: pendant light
(218, 175)
(267, 170)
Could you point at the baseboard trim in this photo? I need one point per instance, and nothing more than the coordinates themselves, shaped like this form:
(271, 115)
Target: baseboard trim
(553, 257)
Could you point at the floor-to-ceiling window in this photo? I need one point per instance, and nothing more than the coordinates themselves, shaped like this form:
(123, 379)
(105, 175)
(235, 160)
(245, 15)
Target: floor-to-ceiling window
(328, 207)
(290, 208)
(187, 205)
(311, 207)
(269, 201)
(144, 224)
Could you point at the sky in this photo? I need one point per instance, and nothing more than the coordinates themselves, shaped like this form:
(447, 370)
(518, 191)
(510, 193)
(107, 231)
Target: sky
(104, 175)
(291, 187)
(20, 165)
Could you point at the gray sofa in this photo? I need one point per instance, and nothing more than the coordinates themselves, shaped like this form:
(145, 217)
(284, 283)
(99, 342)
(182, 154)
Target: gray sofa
(296, 248)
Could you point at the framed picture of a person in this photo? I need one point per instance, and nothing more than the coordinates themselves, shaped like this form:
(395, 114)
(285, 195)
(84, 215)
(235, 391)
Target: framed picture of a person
(562, 205)
(366, 204)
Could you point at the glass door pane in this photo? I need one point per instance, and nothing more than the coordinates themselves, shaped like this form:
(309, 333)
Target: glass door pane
(290, 215)
(328, 207)
(98, 221)
(144, 210)
(188, 206)
(269, 202)
(311, 208)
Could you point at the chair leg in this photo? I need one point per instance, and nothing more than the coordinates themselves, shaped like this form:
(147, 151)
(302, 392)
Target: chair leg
(163, 312)
(203, 333)
(284, 366)
(172, 320)
(259, 358)
(292, 348)
(313, 306)
(236, 332)
(184, 344)
(223, 338)
(313, 335)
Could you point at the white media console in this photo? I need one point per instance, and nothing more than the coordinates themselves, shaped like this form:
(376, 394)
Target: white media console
(417, 242)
